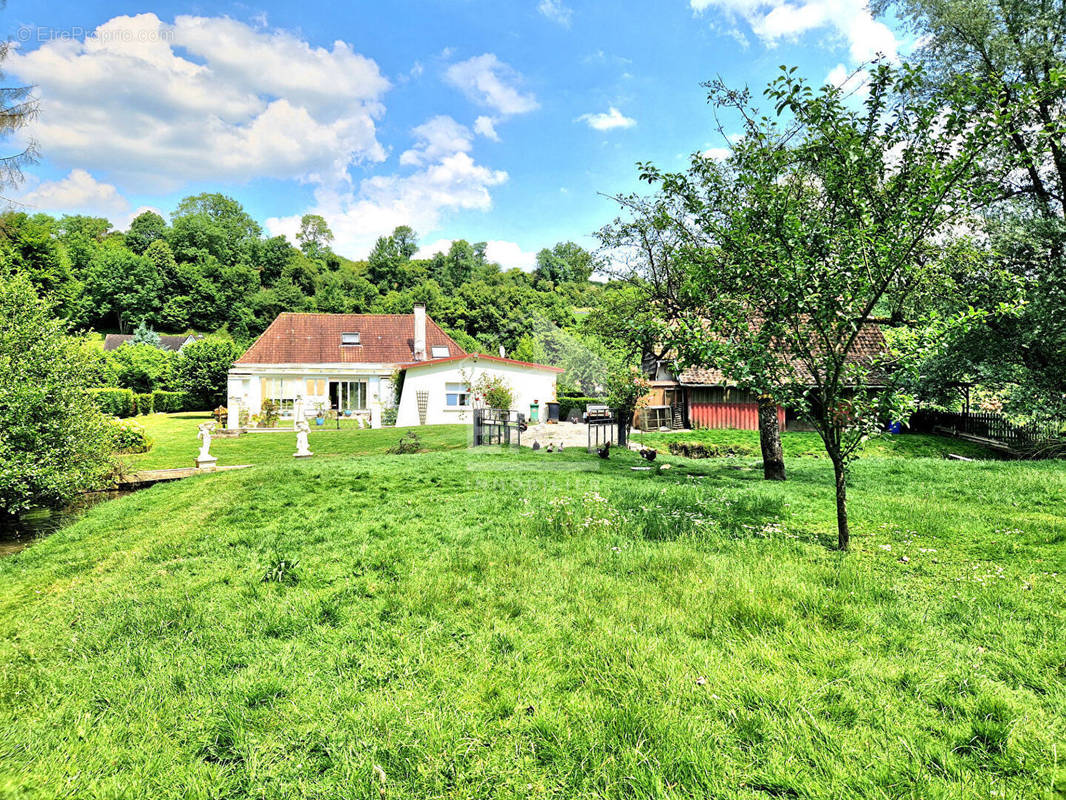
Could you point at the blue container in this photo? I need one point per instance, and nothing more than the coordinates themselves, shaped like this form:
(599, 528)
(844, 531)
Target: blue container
(895, 427)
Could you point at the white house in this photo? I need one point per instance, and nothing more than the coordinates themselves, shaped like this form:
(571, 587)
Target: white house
(441, 387)
(347, 363)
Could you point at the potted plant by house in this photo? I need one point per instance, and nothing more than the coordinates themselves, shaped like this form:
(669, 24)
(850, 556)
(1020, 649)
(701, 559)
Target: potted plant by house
(320, 414)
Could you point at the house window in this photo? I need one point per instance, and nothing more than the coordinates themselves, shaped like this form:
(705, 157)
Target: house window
(457, 395)
(347, 395)
(316, 388)
(439, 351)
(282, 392)
(349, 338)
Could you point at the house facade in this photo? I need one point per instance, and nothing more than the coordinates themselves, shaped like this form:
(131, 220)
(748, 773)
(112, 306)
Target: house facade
(437, 392)
(352, 364)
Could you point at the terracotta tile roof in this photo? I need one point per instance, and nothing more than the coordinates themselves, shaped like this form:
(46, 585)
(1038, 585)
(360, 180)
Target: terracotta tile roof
(869, 344)
(174, 343)
(482, 357)
(316, 339)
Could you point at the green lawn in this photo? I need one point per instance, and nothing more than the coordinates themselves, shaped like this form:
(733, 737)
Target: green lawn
(509, 624)
(175, 443)
(809, 445)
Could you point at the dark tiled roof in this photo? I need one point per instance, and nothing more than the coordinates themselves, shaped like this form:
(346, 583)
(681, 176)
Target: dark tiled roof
(483, 357)
(316, 339)
(173, 343)
(869, 345)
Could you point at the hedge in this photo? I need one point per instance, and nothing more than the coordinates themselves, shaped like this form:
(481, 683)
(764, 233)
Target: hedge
(113, 402)
(169, 402)
(567, 402)
(142, 403)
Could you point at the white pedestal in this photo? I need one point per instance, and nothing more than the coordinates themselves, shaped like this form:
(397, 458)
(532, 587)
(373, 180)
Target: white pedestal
(306, 454)
(206, 464)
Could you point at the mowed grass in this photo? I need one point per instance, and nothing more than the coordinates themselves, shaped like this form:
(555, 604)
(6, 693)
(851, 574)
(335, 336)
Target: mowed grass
(175, 443)
(806, 444)
(507, 624)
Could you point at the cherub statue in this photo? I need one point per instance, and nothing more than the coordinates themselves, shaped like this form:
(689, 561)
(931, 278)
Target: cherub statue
(204, 435)
(302, 429)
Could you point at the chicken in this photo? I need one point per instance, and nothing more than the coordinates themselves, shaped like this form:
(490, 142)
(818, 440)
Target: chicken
(605, 451)
(536, 445)
(648, 454)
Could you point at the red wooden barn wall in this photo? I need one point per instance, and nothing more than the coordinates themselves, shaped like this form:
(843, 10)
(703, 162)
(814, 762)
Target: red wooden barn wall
(725, 408)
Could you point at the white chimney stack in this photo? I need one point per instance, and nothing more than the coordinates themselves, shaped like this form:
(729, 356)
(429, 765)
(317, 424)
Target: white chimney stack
(420, 333)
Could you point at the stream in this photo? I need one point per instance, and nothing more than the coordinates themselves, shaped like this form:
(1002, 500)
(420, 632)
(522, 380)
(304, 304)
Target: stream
(18, 534)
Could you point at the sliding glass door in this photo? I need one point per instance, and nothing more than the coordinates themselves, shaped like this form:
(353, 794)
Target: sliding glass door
(347, 395)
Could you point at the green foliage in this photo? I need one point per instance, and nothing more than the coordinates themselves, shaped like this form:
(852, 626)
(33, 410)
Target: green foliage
(128, 438)
(142, 367)
(492, 391)
(164, 402)
(54, 442)
(113, 402)
(566, 262)
(142, 403)
(568, 402)
(146, 229)
(202, 368)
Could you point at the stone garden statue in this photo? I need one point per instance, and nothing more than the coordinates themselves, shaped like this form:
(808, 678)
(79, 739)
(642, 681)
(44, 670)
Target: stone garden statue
(205, 460)
(302, 429)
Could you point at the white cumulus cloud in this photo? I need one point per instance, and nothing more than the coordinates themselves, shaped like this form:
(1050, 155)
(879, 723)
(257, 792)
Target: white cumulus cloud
(446, 179)
(486, 126)
(78, 191)
(776, 20)
(490, 82)
(607, 120)
(203, 98)
(556, 11)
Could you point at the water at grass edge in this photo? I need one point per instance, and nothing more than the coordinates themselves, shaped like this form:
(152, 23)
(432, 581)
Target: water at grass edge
(19, 533)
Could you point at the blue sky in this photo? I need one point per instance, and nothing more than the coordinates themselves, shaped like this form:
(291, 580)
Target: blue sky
(489, 121)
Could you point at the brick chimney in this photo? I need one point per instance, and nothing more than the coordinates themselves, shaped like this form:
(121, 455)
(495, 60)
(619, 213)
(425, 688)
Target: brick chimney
(420, 333)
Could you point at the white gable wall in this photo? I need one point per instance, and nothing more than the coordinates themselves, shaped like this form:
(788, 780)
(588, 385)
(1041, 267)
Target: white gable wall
(529, 385)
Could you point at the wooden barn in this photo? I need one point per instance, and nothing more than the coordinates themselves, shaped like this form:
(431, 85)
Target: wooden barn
(701, 397)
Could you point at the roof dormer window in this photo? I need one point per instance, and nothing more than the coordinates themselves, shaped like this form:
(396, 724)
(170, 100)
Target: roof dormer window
(350, 338)
(440, 351)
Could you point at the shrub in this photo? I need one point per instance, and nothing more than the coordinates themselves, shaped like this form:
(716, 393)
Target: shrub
(141, 367)
(54, 441)
(388, 416)
(409, 443)
(113, 402)
(268, 417)
(568, 402)
(705, 450)
(168, 402)
(129, 437)
(492, 391)
(142, 403)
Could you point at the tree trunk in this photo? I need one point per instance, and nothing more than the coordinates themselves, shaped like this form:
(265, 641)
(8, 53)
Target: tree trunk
(773, 459)
(841, 475)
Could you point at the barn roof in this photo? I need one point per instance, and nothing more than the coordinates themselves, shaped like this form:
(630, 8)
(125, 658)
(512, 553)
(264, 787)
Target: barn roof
(174, 343)
(316, 339)
(869, 345)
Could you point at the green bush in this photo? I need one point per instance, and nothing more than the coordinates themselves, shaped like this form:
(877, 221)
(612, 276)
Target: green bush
(708, 450)
(113, 402)
(129, 437)
(168, 402)
(567, 402)
(142, 403)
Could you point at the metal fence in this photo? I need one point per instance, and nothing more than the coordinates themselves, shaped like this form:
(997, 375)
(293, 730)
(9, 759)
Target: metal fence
(493, 426)
(605, 428)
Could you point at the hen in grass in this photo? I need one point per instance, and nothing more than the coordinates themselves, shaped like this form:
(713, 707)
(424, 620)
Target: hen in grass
(605, 451)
